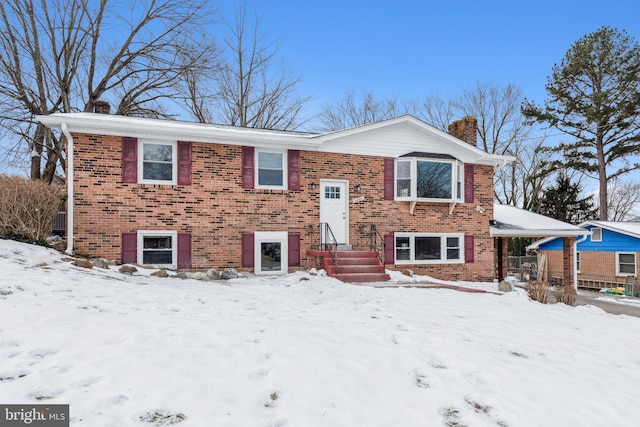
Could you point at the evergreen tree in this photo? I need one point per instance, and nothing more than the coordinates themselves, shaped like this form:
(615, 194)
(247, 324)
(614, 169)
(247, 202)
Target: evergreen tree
(594, 97)
(563, 202)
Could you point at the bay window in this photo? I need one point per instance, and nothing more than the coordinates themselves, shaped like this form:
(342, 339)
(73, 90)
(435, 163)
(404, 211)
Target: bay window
(428, 179)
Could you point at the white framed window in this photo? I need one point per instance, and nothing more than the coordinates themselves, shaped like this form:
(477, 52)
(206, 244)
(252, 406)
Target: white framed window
(271, 169)
(429, 180)
(271, 249)
(429, 248)
(158, 248)
(596, 234)
(625, 263)
(157, 162)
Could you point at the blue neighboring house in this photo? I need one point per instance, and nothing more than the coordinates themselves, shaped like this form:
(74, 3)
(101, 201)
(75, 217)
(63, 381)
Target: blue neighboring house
(608, 258)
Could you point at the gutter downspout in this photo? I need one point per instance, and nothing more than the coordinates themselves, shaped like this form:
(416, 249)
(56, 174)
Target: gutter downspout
(575, 259)
(69, 230)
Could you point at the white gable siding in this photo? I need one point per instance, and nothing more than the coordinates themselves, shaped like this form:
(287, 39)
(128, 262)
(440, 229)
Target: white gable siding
(399, 139)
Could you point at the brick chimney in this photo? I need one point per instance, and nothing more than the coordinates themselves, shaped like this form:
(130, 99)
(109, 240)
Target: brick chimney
(465, 129)
(101, 107)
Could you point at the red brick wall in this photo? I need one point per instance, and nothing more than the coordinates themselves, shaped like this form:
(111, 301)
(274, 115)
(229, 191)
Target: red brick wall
(594, 265)
(216, 210)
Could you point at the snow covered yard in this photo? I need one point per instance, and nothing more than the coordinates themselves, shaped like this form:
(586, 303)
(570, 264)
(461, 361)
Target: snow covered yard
(283, 351)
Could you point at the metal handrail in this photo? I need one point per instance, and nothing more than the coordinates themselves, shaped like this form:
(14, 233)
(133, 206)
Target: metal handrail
(375, 234)
(326, 240)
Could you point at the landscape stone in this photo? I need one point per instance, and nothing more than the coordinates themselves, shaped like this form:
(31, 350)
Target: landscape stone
(100, 263)
(505, 286)
(160, 273)
(128, 269)
(213, 274)
(229, 273)
(84, 263)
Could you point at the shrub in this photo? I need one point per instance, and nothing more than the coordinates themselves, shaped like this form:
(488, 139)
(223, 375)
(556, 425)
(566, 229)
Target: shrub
(28, 208)
(538, 291)
(566, 294)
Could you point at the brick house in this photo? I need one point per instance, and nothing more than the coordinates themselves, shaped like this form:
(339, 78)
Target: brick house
(193, 196)
(606, 258)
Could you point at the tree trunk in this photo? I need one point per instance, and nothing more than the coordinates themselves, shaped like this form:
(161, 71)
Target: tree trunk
(602, 179)
(36, 151)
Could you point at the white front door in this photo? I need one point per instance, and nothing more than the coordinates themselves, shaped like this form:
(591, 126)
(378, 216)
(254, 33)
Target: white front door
(334, 210)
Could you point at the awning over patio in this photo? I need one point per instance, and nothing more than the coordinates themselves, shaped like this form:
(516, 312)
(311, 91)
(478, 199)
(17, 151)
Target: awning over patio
(509, 221)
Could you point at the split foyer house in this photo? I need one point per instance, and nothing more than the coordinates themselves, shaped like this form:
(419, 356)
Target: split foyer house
(195, 196)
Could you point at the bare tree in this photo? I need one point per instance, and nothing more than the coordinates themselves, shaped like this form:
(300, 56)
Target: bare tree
(501, 130)
(64, 55)
(352, 111)
(501, 126)
(439, 112)
(522, 182)
(624, 197)
(255, 89)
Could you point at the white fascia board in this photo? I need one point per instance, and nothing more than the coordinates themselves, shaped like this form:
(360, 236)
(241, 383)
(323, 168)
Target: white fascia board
(167, 130)
(612, 226)
(550, 234)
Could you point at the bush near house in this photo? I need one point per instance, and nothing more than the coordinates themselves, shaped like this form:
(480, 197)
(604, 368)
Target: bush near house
(538, 291)
(27, 208)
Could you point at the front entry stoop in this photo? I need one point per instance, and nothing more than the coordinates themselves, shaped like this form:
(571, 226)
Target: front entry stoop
(353, 266)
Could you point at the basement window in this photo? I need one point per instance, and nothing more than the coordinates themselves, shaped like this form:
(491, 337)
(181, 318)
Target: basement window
(157, 248)
(271, 252)
(427, 248)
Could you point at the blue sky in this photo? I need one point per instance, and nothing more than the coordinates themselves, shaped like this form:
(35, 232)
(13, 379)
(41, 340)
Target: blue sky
(416, 48)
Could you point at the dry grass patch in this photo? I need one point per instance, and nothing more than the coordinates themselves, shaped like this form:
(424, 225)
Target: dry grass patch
(539, 291)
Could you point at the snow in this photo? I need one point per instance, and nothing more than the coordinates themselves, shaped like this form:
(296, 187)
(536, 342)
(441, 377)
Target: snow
(513, 221)
(303, 350)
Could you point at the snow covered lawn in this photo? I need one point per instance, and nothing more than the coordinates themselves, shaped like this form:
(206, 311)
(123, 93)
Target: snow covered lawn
(284, 351)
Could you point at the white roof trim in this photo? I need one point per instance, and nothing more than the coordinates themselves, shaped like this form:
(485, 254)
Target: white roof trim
(109, 124)
(169, 130)
(608, 225)
(482, 156)
(616, 226)
(516, 222)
